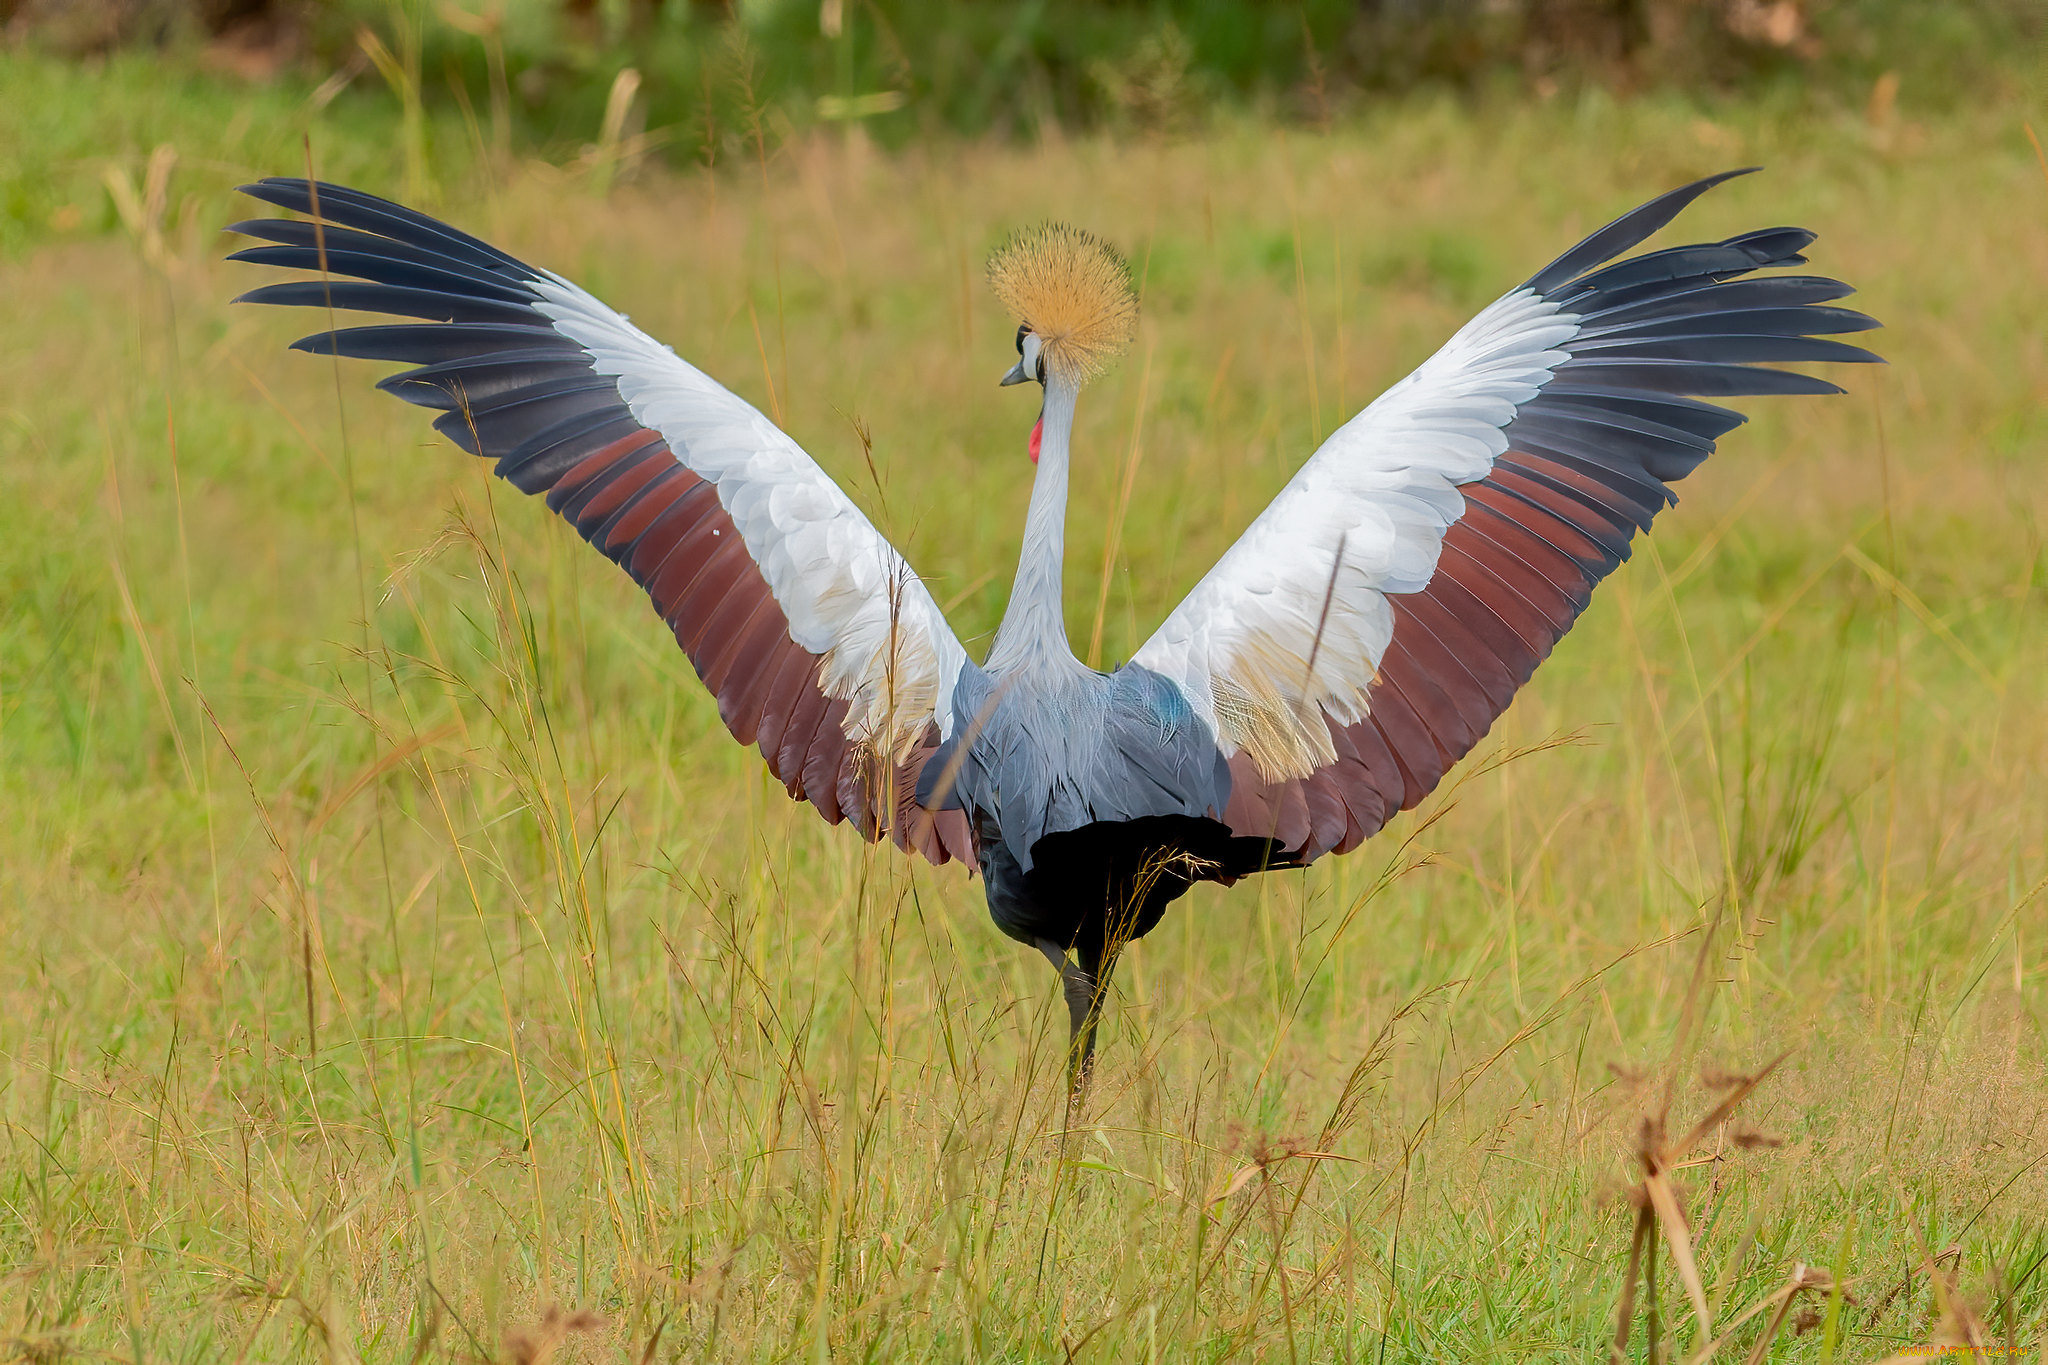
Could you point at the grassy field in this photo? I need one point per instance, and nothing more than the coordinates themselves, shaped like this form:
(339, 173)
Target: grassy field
(399, 963)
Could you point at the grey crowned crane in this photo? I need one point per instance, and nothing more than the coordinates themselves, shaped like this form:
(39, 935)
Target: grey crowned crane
(1355, 643)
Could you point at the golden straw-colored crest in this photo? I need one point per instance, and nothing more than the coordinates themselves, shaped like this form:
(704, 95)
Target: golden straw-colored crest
(1073, 290)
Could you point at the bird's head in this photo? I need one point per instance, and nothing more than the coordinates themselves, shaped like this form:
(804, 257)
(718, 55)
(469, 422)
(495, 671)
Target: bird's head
(1072, 295)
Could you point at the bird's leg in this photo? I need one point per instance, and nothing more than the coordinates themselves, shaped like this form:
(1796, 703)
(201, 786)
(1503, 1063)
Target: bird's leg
(1082, 989)
(1096, 963)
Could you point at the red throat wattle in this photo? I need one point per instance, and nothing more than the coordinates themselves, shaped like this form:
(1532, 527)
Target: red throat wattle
(1037, 434)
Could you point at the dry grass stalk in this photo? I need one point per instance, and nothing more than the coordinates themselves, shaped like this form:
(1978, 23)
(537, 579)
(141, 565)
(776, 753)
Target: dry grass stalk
(537, 1344)
(1659, 1205)
(1959, 1333)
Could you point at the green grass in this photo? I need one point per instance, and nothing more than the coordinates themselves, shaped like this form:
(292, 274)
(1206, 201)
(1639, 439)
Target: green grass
(395, 945)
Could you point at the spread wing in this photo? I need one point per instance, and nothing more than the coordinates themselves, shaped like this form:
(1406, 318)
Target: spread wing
(1376, 619)
(820, 645)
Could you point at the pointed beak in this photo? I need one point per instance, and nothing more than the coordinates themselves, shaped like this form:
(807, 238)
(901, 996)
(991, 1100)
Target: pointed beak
(1015, 376)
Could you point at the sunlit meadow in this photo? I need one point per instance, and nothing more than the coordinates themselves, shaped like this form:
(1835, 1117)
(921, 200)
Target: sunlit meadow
(401, 963)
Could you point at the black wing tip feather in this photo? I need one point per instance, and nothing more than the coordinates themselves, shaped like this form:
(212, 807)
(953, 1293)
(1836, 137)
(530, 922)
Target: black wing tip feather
(300, 195)
(339, 204)
(290, 191)
(297, 193)
(1663, 332)
(247, 227)
(1627, 231)
(1667, 324)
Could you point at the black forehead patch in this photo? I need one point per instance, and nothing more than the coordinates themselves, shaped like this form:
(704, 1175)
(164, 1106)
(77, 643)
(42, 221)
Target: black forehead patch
(1023, 328)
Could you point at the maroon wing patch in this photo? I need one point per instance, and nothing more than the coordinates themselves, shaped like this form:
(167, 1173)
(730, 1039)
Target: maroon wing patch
(1506, 589)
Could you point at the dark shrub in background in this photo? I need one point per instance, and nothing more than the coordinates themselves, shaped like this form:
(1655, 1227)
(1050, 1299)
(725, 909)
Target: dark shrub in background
(712, 70)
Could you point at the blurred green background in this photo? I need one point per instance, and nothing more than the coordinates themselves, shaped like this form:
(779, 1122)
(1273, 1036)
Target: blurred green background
(701, 82)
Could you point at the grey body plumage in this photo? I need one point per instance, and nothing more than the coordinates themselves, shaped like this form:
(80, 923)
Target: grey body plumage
(1055, 747)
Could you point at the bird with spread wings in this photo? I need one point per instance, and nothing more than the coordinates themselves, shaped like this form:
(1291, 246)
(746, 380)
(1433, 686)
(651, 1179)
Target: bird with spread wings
(1359, 639)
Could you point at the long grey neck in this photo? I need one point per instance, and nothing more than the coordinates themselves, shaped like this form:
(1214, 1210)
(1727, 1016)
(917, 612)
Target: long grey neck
(1034, 628)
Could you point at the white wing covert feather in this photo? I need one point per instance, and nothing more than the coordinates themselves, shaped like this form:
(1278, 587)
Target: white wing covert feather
(1289, 626)
(848, 595)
